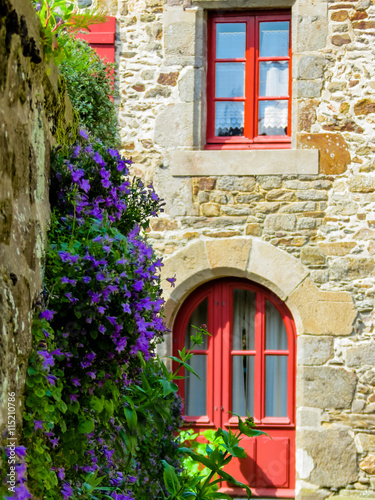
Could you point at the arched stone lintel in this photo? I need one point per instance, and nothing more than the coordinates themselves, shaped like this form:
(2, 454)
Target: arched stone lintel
(314, 311)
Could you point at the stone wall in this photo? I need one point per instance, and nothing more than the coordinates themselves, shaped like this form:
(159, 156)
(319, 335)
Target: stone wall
(321, 221)
(34, 113)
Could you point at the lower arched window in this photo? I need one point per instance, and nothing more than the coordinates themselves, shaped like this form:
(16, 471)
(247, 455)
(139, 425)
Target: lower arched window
(247, 365)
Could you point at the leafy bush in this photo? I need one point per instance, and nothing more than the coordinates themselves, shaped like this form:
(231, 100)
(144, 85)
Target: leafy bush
(89, 82)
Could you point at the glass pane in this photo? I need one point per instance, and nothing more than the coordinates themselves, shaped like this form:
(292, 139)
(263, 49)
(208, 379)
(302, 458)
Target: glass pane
(273, 118)
(198, 318)
(230, 80)
(276, 386)
(230, 40)
(273, 78)
(196, 388)
(243, 320)
(229, 118)
(276, 336)
(243, 385)
(274, 39)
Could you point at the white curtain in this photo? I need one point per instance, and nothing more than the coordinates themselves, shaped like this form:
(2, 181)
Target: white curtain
(276, 366)
(196, 388)
(243, 339)
(273, 116)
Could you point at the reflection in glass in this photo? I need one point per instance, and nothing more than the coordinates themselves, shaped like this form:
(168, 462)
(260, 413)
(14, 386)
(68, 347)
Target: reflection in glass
(229, 118)
(198, 318)
(196, 388)
(276, 336)
(243, 385)
(276, 386)
(273, 78)
(243, 320)
(230, 40)
(274, 39)
(273, 118)
(230, 80)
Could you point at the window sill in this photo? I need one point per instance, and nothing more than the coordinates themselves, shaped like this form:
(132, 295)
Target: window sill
(244, 162)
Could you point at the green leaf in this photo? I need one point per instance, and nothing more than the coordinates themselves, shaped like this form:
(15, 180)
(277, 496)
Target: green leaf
(131, 418)
(40, 392)
(86, 426)
(168, 387)
(171, 481)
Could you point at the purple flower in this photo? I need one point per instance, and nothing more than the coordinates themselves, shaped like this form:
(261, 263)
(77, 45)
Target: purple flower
(77, 174)
(84, 134)
(172, 281)
(73, 397)
(47, 359)
(47, 314)
(65, 279)
(121, 344)
(20, 451)
(76, 382)
(138, 285)
(86, 279)
(85, 185)
(66, 491)
(60, 473)
(102, 329)
(38, 424)
(51, 379)
(54, 442)
(100, 277)
(101, 309)
(91, 374)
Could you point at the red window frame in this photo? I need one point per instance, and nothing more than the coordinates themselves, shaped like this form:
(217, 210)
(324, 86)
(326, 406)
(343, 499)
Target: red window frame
(220, 354)
(250, 139)
(101, 37)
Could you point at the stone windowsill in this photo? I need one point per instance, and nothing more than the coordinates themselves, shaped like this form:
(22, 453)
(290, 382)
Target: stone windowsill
(255, 162)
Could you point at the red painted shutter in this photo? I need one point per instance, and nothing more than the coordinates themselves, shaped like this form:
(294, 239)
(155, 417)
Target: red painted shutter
(102, 38)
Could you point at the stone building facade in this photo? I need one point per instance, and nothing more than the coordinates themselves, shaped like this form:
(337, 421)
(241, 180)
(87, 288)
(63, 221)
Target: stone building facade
(298, 221)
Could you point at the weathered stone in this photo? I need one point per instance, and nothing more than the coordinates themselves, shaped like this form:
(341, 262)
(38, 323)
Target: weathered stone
(206, 183)
(312, 194)
(352, 268)
(313, 350)
(333, 456)
(336, 86)
(249, 198)
(364, 107)
(176, 193)
(307, 88)
(360, 355)
(338, 248)
(168, 79)
(363, 5)
(269, 182)
(365, 235)
(228, 183)
(299, 207)
(222, 234)
(138, 87)
(334, 153)
(203, 197)
(210, 209)
(341, 28)
(357, 16)
(253, 229)
(306, 114)
(157, 92)
(311, 305)
(340, 40)
(190, 85)
(162, 224)
(313, 494)
(344, 125)
(325, 387)
(344, 208)
(361, 184)
(310, 256)
(229, 253)
(368, 464)
(312, 29)
(176, 117)
(339, 15)
(365, 442)
(275, 269)
(306, 223)
(308, 417)
(280, 195)
(236, 210)
(277, 222)
(296, 184)
(363, 25)
(310, 67)
(179, 35)
(267, 207)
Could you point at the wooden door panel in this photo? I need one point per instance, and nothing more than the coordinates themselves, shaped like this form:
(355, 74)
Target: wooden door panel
(272, 462)
(244, 470)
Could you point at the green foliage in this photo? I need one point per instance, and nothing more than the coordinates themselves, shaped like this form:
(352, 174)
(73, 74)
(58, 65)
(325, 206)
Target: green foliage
(89, 82)
(58, 16)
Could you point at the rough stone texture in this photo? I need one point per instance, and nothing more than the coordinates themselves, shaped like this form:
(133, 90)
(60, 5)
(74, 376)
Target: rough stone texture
(236, 253)
(334, 154)
(313, 350)
(368, 464)
(334, 456)
(34, 114)
(327, 387)
(361, 355)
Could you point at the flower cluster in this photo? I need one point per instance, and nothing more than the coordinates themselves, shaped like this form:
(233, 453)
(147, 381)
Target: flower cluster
(102, 287)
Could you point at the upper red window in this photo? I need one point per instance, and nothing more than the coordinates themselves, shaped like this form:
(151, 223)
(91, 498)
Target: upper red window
(249, 81)
(101, 37)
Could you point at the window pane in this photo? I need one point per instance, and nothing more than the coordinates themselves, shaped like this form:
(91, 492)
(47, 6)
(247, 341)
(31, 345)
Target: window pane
(274, 39)
(243, 320)
(274, 78)
(198, 318)
(243, 385)
(230, 80)
(230, 40)
(276, 386)
(229, 118)
(273, 118)
(196, 388)
(276, 336)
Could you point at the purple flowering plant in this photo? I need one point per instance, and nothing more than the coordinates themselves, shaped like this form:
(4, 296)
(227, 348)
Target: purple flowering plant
(100, 315)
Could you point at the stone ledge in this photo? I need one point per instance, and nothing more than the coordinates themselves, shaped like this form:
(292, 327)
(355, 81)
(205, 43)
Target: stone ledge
(248, 4)
(255, 162)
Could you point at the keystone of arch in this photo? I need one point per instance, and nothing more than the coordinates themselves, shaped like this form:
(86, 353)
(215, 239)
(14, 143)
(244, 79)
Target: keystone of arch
(315, 311)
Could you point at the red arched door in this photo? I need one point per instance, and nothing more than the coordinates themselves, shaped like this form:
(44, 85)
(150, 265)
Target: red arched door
(248, 364)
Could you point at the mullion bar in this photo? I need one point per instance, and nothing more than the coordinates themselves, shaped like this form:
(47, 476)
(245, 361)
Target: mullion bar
(243, 353)
(273, 98)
